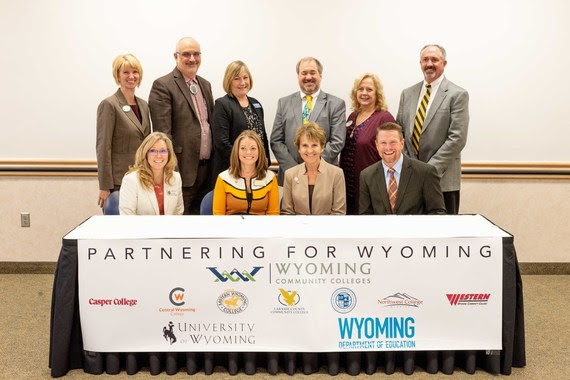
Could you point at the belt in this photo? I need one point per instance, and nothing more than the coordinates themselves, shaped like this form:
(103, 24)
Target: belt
(203, 162)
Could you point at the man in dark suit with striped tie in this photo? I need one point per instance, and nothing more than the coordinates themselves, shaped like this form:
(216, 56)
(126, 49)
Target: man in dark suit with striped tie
(398, 184)
(434, 115)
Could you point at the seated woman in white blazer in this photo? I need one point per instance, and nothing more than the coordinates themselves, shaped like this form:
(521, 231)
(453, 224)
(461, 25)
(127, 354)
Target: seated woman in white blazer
(151, 186)
(314, 187)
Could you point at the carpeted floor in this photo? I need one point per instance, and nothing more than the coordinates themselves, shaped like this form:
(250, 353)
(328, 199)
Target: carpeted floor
(25, 313)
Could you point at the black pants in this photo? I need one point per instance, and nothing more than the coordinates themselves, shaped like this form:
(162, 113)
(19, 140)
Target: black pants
(192, 195)
(451, 199)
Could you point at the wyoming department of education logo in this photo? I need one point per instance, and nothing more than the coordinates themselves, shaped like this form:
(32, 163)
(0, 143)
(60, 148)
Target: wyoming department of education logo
(235, 275)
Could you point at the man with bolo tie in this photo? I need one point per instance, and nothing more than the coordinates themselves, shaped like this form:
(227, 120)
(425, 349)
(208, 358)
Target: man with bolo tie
(181, 105)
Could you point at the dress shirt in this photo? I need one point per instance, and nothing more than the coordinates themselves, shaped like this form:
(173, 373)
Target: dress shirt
(397, 171)
(434, 87)
(201, 108)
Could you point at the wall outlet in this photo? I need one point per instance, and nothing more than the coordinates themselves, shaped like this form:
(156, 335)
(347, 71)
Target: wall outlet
(25, 219)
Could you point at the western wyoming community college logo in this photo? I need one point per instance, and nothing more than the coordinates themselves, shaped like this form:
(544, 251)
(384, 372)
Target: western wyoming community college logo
(234, 275)
(232, 302)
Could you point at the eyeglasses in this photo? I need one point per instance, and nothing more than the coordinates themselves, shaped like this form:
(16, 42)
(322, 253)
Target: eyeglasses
(190, 54)
(154, 152)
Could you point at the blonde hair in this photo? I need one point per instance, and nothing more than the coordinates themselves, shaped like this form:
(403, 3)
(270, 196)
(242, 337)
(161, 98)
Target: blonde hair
(313, 132)
(232, 71)
(380, 104)
(143, 167)
(261, 164)
(126, 60)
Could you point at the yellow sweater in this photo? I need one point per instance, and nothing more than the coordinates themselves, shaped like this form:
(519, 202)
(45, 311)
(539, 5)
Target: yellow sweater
(230, 196)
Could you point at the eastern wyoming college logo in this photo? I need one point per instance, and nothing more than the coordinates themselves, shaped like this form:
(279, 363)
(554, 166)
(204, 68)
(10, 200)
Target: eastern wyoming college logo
(234, 275)
(168, 334)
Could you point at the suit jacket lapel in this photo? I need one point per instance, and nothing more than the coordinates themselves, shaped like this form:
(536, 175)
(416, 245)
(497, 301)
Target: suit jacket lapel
(297, 105)
(382, 189)
(405, 176)
(304, 187)
(181, 83)
(318, 107)
(131, 114)
(151, 197)
(441, 94)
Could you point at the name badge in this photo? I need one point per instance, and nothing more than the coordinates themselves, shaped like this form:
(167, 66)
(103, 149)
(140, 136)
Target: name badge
(127, 108)
(173, 193)
(256, 105)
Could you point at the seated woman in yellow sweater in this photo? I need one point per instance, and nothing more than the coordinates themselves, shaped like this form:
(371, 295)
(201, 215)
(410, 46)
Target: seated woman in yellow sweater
(247, 187)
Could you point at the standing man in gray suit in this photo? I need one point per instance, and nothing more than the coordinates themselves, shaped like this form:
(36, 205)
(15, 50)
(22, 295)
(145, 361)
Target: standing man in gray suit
(398, 184)
(181, 105)
(311, 104)
(435, 116)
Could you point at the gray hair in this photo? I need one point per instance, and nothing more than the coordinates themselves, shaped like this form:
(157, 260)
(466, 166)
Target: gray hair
(308, 59)
(441, 49)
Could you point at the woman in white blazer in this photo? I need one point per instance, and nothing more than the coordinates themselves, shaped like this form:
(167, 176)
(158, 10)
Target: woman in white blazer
(151, 186)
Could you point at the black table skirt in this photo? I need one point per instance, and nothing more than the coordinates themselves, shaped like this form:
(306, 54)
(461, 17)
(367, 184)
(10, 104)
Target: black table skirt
(66, 342)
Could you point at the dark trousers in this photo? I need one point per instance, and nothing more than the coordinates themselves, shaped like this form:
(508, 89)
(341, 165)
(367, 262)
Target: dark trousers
(192, 195)
(451, 200)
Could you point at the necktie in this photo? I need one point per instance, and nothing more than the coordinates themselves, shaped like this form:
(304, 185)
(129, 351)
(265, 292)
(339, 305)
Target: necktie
(419, 120)
(307, 109)
(392, 189)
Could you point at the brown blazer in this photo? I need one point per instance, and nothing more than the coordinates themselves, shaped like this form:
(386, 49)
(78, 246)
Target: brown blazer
(173, 113)
(419, 191)
(119, 135)
(329, 194)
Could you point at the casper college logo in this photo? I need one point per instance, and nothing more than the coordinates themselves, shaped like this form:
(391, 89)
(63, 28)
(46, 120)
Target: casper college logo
(343, 300)
(232, 302)
(168, 334)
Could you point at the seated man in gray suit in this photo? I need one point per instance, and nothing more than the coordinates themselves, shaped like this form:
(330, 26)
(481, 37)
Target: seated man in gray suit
(398, 184)
(435, 115)
(309, 105)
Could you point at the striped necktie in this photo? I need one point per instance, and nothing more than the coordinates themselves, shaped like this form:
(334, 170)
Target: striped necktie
(392, 189)
(419, 120)
(307, 109)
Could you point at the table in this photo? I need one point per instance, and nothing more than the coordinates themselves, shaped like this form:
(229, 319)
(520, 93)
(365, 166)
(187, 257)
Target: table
(66, 344)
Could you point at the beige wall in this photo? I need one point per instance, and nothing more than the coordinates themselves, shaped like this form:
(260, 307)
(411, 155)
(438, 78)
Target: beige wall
(57, 204)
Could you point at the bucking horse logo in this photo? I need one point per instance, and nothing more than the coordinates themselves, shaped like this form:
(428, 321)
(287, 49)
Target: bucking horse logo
(167, 333)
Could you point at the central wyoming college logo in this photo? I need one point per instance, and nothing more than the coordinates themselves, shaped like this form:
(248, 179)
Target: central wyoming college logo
(168, 333)
(234, 275)
(176, 296)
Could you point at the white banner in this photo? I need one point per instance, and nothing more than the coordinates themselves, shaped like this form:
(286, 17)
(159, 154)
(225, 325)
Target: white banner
(290, 295)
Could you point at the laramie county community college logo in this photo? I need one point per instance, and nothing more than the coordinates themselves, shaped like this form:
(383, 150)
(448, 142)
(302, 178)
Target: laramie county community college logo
(168, 333)
(287, 298)
(234, 275)
(232, 302)
(343, 300)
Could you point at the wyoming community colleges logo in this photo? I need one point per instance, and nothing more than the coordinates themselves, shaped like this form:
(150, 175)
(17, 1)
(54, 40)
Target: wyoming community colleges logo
(235, 275)
(343, 300)
(168, 333)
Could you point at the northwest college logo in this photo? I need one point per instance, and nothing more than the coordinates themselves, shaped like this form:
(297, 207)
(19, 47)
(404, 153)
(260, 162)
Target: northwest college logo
(343, 300)
(232, 302)
(400, 299)
(234, 275)
(468, 299)
(168, 333)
